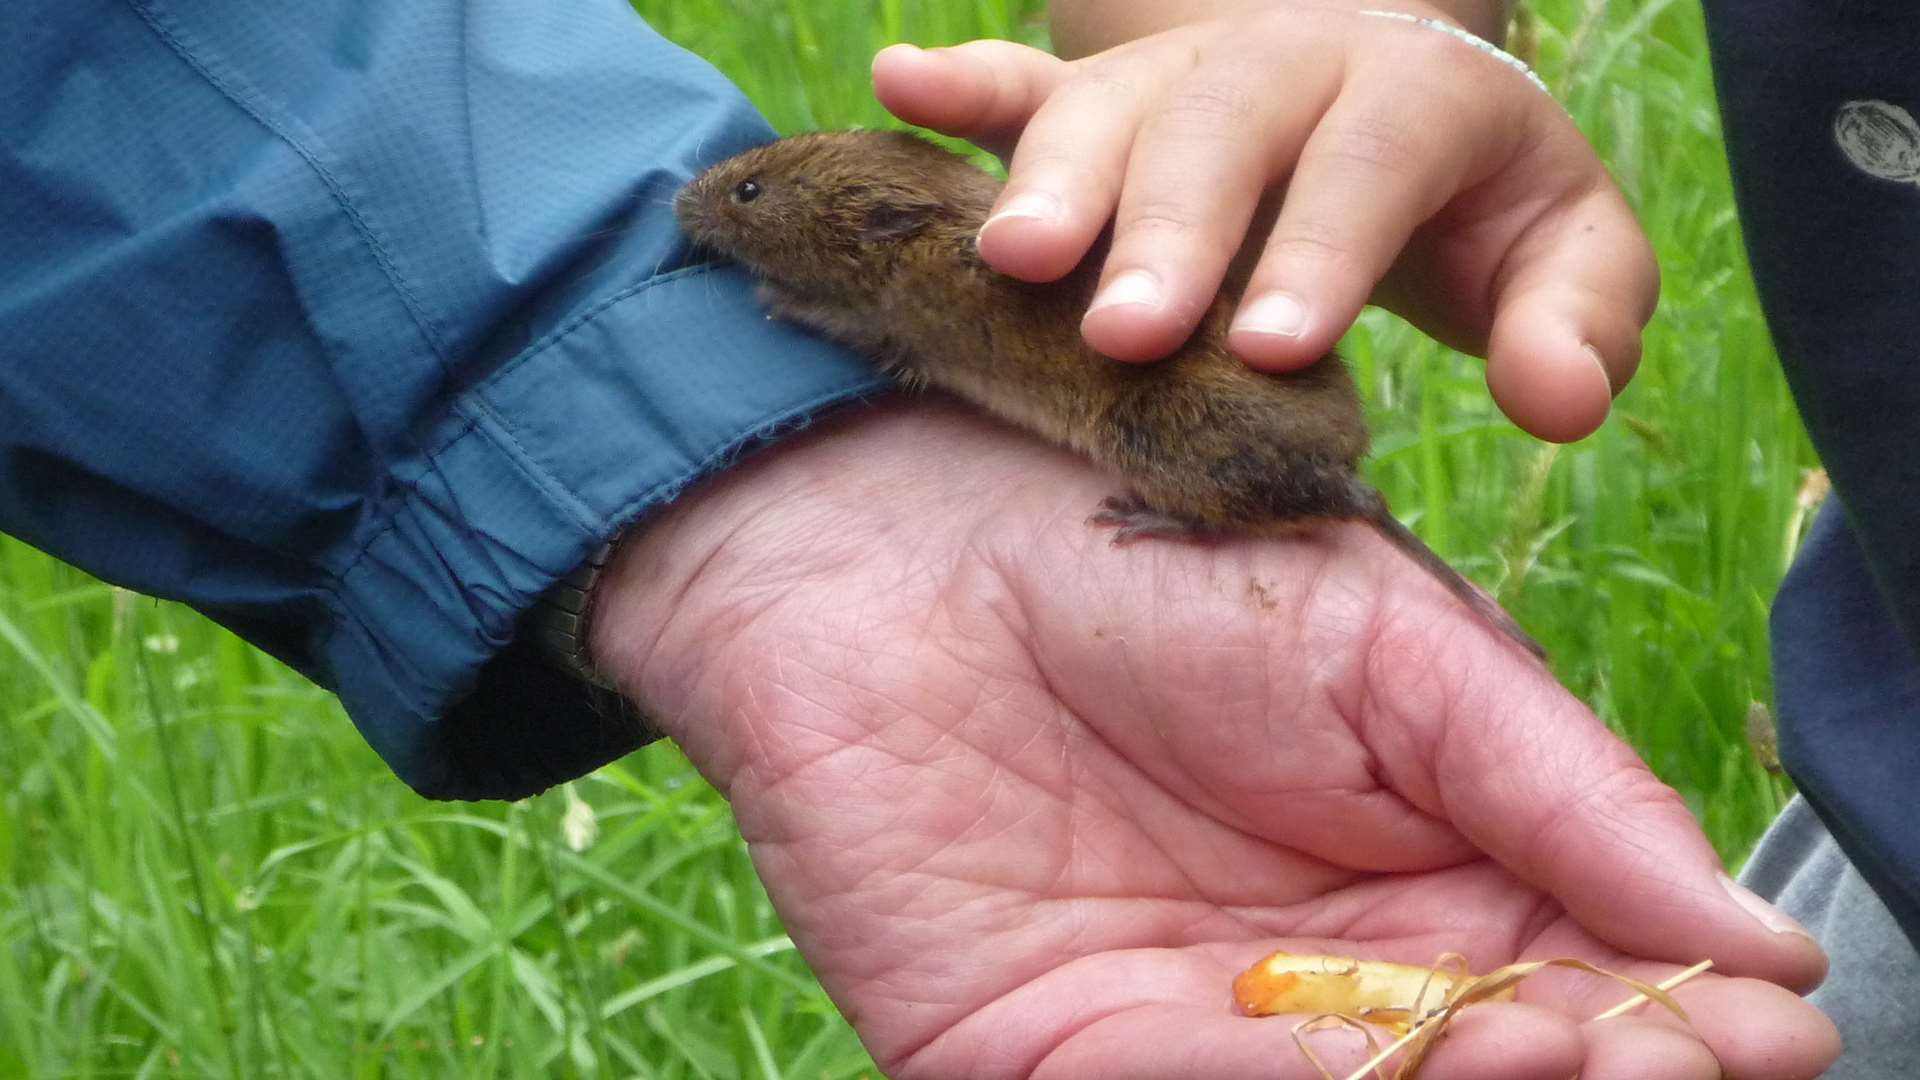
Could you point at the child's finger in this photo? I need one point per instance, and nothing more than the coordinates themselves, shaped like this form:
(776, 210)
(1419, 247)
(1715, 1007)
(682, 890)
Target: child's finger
(1204, 154)
(1066, 174)
(1577, 289)
(1378, 166)
(1066, 128)
(983, 91)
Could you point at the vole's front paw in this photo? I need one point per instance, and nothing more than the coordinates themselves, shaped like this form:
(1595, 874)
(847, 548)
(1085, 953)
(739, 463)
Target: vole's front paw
(778, 304)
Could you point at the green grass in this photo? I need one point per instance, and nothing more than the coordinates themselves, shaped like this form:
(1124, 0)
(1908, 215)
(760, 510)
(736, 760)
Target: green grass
(203, 872)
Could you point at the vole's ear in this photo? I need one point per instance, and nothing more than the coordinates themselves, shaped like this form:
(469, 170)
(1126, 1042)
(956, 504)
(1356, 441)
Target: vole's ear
(884, 224)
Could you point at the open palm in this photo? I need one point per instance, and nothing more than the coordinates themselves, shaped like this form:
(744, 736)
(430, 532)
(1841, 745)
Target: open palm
(1027, 801)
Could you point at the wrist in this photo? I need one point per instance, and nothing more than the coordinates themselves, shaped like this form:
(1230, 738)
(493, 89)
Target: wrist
(651, 632)
(681, 596)
(1488, 19)
(704, 602)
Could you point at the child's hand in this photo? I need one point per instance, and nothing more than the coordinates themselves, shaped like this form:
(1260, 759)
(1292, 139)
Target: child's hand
(1419, 172)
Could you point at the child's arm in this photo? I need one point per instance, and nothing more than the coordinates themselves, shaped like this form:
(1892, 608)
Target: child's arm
(1084, 27)
(1421, 173)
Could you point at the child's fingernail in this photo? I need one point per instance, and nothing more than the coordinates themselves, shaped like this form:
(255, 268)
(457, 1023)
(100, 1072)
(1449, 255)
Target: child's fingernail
(1281, 314)
(1600, 362)
(1769, 916)
(1136, 287)
(1031, 205)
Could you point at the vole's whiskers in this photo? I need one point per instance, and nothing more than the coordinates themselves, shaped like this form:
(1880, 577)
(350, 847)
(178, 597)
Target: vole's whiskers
(655, 202)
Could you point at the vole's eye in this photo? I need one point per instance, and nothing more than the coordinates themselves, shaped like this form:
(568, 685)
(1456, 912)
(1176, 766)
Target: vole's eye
(746, 191)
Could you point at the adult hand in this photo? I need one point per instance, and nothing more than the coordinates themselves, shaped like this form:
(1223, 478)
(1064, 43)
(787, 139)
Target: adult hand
(1027, 802)
(1418, 172)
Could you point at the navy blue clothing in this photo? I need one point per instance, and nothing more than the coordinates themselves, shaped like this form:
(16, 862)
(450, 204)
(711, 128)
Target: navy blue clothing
(1818, 100)
(356, 325)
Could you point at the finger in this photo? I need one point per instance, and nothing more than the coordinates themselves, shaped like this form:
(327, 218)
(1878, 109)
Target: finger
(1066, 127)
(1065, 175)
(1579, 287)
(1203, 155)
(1536, 781)
(983, 91)
(1160, 1012)
(1376, 168)
(1625, 1049)
(1753, 1029)
(1488, 1042)
(1759, 1030)
(1744, 1027)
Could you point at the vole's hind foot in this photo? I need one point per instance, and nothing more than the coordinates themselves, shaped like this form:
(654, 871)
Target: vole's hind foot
(1130, 519)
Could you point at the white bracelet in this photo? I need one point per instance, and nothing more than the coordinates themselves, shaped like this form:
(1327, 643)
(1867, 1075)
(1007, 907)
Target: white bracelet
(1472, 39)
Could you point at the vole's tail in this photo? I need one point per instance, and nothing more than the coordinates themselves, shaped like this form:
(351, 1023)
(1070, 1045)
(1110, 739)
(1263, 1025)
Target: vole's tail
(1374, 511)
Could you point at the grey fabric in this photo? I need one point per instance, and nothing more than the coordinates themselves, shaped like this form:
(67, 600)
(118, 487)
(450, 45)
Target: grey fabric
(1875, 979)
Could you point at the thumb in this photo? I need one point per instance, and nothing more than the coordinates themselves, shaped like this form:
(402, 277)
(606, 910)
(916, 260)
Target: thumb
(983, 91)
(1534, 779)
(1578, 286)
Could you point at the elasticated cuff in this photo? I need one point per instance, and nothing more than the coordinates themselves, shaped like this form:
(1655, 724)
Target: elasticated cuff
(555, 453)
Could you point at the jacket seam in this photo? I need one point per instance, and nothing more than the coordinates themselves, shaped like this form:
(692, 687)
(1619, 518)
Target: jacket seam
(574, 324)
(235, 89)
(476, 408)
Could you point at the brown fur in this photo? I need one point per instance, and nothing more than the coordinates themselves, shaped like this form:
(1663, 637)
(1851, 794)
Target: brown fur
(868, 237)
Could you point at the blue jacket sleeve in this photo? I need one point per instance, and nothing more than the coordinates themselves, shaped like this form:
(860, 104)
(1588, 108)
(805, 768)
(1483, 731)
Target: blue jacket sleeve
(357, 325)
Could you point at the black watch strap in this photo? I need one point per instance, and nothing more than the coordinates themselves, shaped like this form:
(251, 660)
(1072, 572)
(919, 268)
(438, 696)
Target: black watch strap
(558, 624)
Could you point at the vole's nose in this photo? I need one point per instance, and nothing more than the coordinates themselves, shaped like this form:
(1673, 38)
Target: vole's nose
(696, 218)
(684, 204)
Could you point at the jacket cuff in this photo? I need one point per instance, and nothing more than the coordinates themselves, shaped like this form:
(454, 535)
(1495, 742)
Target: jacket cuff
(562, 447)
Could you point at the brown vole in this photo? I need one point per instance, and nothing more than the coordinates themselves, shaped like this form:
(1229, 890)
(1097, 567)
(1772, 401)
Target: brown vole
(868, 238)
